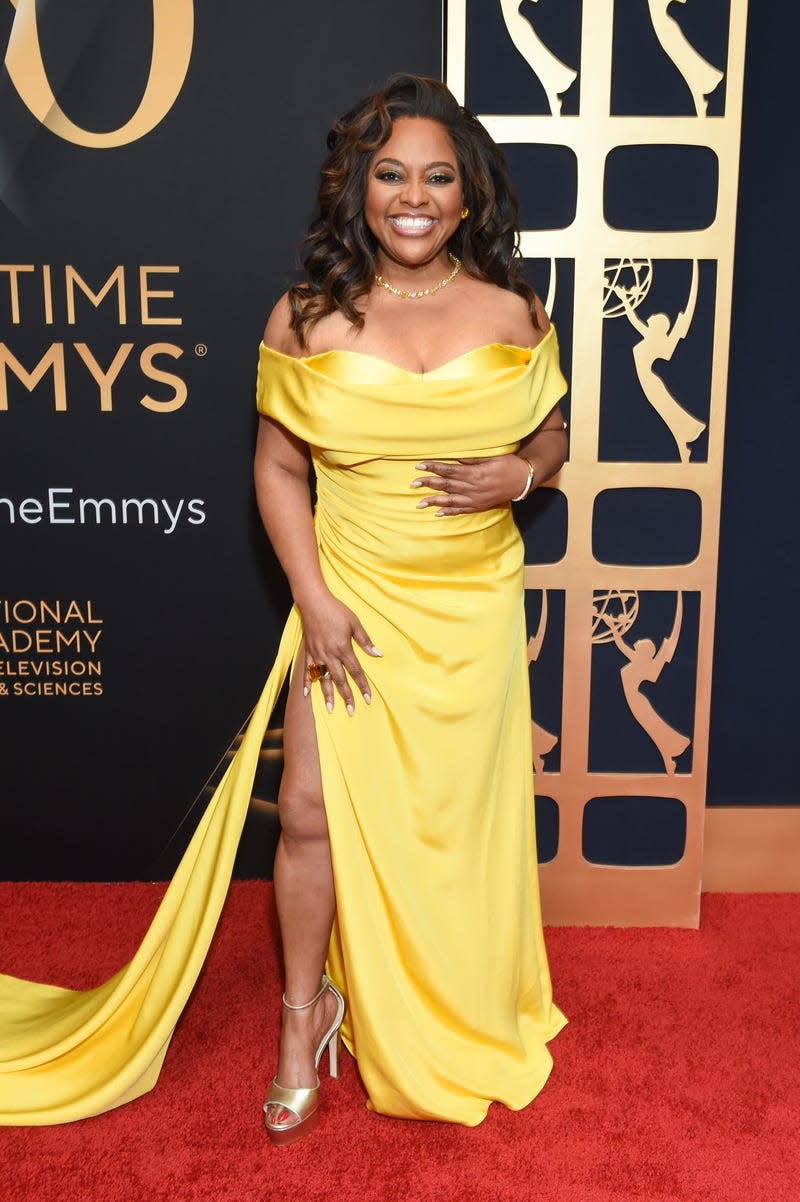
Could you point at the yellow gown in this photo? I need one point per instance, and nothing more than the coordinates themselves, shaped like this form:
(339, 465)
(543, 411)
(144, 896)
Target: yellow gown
(437, 943)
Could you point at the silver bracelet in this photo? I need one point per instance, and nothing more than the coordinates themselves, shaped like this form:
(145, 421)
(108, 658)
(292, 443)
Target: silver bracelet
(528, 482)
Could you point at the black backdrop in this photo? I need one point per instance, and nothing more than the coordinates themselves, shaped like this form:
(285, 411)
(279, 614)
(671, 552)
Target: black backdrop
(93, 787)
(757, 650)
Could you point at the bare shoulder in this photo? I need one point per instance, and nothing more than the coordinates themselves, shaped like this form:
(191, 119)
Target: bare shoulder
(278, 333)
(517, 314)
(509, 315)
(330, 332)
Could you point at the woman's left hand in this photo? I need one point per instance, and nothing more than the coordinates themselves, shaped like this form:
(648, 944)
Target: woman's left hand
(472, 485)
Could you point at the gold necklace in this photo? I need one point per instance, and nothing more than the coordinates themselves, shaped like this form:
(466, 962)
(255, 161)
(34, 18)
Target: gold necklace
(404, 294)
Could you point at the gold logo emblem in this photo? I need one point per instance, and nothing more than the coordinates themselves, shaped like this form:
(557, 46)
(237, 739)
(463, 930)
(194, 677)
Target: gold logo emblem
(173, 31)
(647, 405)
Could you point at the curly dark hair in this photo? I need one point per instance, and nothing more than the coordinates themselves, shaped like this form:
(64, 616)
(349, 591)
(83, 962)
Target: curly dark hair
(338, 253)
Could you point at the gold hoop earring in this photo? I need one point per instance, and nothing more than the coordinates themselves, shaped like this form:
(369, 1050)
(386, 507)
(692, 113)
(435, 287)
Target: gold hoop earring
(464, 212)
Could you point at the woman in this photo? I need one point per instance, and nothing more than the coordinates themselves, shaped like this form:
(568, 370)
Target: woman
(417, 371)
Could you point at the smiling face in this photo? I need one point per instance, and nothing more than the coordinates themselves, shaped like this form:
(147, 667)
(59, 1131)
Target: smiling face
(413, 199)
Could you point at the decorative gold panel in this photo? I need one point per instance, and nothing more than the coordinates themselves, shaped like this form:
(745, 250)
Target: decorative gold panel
(628, 627)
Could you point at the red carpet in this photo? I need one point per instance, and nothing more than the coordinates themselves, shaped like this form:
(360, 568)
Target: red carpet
(676, 1081)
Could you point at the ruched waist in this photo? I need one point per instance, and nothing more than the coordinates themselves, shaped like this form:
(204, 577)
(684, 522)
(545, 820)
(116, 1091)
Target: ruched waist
(367, 513)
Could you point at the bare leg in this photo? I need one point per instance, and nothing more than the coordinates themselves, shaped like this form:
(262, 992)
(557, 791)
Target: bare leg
(303, 891)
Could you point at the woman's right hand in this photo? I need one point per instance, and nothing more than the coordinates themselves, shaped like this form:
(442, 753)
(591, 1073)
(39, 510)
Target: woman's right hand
(330, 629)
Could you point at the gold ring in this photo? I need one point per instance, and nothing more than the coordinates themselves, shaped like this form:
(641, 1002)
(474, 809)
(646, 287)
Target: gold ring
(317, 672)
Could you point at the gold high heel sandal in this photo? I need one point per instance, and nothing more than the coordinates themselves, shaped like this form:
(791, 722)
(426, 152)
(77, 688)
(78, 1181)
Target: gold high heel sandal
(302, 1104)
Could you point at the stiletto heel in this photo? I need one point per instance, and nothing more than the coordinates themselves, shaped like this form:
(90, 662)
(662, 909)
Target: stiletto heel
(302, 1104)
(331, 1037)
(333, 1055)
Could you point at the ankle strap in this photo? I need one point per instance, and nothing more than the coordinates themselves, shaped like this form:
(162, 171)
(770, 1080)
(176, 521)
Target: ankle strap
(315, 998)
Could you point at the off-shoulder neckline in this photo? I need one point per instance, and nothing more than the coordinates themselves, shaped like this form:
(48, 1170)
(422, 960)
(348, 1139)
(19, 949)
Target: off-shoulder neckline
(305, 360)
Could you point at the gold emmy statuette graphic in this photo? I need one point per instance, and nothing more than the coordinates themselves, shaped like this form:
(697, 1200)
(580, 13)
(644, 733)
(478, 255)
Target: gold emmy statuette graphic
(552, 286)
(554, 76)
(658, 341)
(173, 31)
(542, 741)
(614, 270)
(618, 608)
(629, 277)
(700, 77)
(645, 663)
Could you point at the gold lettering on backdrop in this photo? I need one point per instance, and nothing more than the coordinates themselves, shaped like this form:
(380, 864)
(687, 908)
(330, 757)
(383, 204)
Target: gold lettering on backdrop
(75, 612)
(28, 667)
(18, 292)
(23, 282)
(51, 360)
(162, 377)
(44, 639)
(117, 277)
(146, 293)
(173, 32)
(47, 642)
(104, 379)
(48, 688)
(613, 270)
(13, 271)
(47, 295)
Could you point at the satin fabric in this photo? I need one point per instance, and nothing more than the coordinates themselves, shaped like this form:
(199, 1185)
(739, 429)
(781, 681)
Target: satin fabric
(66, 1054)
(428, 791)
(438, 943)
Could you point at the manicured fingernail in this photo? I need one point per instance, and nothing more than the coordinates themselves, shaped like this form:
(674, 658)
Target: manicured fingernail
(305, 690)
(422, 504)
(416, 483)
(422, 467)
(374, 650)
(329, 706)
(368, 698)
(441, 514)
(351, 709)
